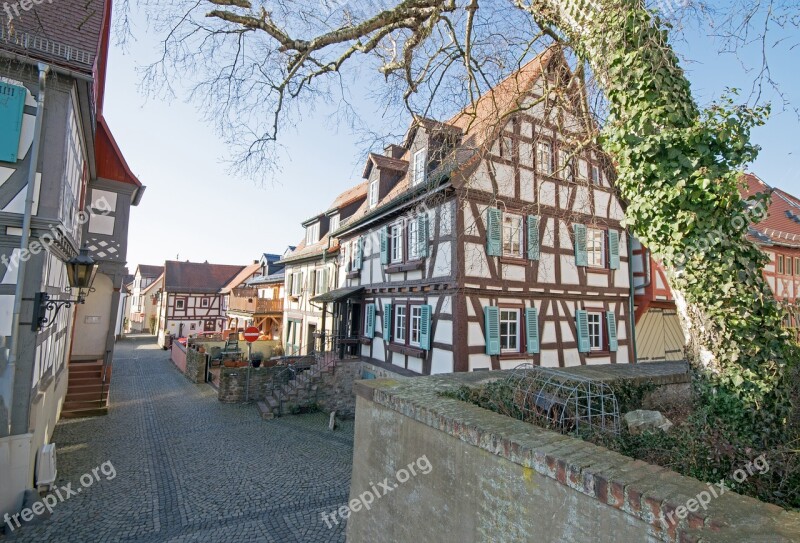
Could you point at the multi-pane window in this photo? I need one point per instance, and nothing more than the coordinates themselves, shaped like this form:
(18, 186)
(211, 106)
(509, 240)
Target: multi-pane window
(413, 240)
(544, 157)
(319, 280)
(595, 331)
(788, 265)
(420, 159)
(396, 242)
(204, 302)
(180, 304)
(512, 235)
(596, 175)
(333, 223)
(797, 265)
(780, 263)
(566, 166)
(400, 324)
(297, 283)
(312, 233)
(416, 325)
(509, 330)
(373, 192)
(595, 247)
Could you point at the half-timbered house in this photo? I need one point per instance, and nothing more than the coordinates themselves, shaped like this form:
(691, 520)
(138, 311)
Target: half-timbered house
(191, 301)
(147, 283)
(259, 301)
(492, 239)
(311, 270)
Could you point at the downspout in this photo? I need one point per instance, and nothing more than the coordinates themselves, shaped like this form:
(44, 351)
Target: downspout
(631, 302)
(8, 394)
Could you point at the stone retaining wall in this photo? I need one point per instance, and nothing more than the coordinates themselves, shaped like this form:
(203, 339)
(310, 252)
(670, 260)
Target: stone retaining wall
(196, 366)
(236, 387)
(335, 390)
(494, 478)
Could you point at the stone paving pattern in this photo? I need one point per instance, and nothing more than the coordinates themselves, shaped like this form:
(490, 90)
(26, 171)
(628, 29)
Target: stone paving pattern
(190, 468)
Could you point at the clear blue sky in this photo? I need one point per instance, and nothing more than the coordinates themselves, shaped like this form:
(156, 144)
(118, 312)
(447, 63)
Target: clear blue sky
(195, 210)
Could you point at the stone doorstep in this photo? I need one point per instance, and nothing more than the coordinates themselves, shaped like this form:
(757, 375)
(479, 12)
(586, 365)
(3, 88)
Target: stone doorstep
(642, 490)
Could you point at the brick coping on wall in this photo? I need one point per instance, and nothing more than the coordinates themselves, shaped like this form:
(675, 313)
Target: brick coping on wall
(642, 490)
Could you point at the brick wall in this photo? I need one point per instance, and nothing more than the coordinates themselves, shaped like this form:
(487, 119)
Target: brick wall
(195, 366)
(493, 478)
(335, 390)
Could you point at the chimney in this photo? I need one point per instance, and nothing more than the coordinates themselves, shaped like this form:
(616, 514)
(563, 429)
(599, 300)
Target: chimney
(394, 151)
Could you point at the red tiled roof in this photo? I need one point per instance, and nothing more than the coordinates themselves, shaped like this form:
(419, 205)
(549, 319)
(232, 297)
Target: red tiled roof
(781, 226)
(241, 277)
(385, 163)
(196, 277)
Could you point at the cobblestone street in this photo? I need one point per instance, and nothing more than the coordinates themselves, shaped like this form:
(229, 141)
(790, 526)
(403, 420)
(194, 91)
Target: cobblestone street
(189, 468)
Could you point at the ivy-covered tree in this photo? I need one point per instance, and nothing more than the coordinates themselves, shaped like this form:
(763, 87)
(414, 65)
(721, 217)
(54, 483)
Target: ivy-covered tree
(678, 166)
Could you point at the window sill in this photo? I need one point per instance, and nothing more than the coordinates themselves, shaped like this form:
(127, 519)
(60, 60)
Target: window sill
(354, 274)
(515, 356)
(598, 354)
(416, 352)
(365, 340)
(592, 269)
(518, 261)
(405, 266)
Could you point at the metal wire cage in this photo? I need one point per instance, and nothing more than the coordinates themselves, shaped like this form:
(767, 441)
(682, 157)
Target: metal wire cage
(565, 402)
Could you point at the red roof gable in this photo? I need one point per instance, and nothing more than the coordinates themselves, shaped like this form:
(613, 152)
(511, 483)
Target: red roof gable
(111, 163)
(197, 277)
(781, 226)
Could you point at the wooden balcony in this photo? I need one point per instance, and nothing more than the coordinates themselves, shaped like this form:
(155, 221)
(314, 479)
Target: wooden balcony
(254, 305)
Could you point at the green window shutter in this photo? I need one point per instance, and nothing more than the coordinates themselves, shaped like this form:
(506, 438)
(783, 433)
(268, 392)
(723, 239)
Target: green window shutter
(422, 236)
(491, 316)
(533, 237)
(581, 257)
(613, 249)
(425, 328)
(12, 105)
(385, 245)
(359, 252)
(289, 283)
(494, 241)
(582, 326)
(387, 322)
(611, 319)
(370, 328)
(532, 329)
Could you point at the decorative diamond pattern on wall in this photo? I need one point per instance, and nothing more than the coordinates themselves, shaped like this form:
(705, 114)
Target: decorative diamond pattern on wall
(104, 249)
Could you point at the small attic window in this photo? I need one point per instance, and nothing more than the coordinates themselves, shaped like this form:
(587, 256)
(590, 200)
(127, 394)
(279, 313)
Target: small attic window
(373, 192)
(420, 167)
(333, 223)
(312, 233)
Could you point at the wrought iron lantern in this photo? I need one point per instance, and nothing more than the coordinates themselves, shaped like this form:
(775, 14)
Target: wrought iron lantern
(81, 271)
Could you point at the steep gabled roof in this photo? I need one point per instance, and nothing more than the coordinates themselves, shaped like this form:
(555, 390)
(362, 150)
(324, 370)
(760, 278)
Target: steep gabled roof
(781, 226)
(153, 285)
(149, 271)
(241, 277)
(384, 163)
(198, 278)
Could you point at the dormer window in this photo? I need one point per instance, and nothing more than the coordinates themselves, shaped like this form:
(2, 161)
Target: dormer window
(373, 192)
(333, 223)
(420, 162)
(312, 233)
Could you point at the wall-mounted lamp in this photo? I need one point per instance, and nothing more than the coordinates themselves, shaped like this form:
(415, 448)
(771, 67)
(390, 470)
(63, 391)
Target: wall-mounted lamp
(81, 271)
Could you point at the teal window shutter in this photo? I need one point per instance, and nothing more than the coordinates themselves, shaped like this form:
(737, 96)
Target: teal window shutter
(533, 237)
(385, 245)
(289, 283)
(425, 328)
(494, 241)
(491, 316)
(611, 319)
(387, 322)
(613, 249)
(532, 329)
(12, 105)
(581, 257)
(422, 235)
(370, 318)
(582, 326)
(359, 252)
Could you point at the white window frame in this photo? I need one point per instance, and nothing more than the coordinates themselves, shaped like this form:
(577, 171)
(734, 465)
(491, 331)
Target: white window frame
(181, 301)
(512, 341)
(509, 234)
(312, 233)
(595, 330)
(595, 247)
(544, 164)
(333, 223)
(374, 185)
(319, 276)
(396, 243)
(413, 240)
(565, 163)
(420, 170)
(297, 283)
(400, 324)
(415, 326)
(204, 302)
(595, 174)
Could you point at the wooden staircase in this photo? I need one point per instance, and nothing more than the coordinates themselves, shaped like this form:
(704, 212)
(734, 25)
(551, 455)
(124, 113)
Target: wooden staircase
(87, 390)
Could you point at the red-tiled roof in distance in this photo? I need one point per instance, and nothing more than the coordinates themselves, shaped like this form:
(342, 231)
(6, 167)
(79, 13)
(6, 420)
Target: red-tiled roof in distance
(241, 277)
(385, 163)
(781, 226)
(196, 277)
(150, 271)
